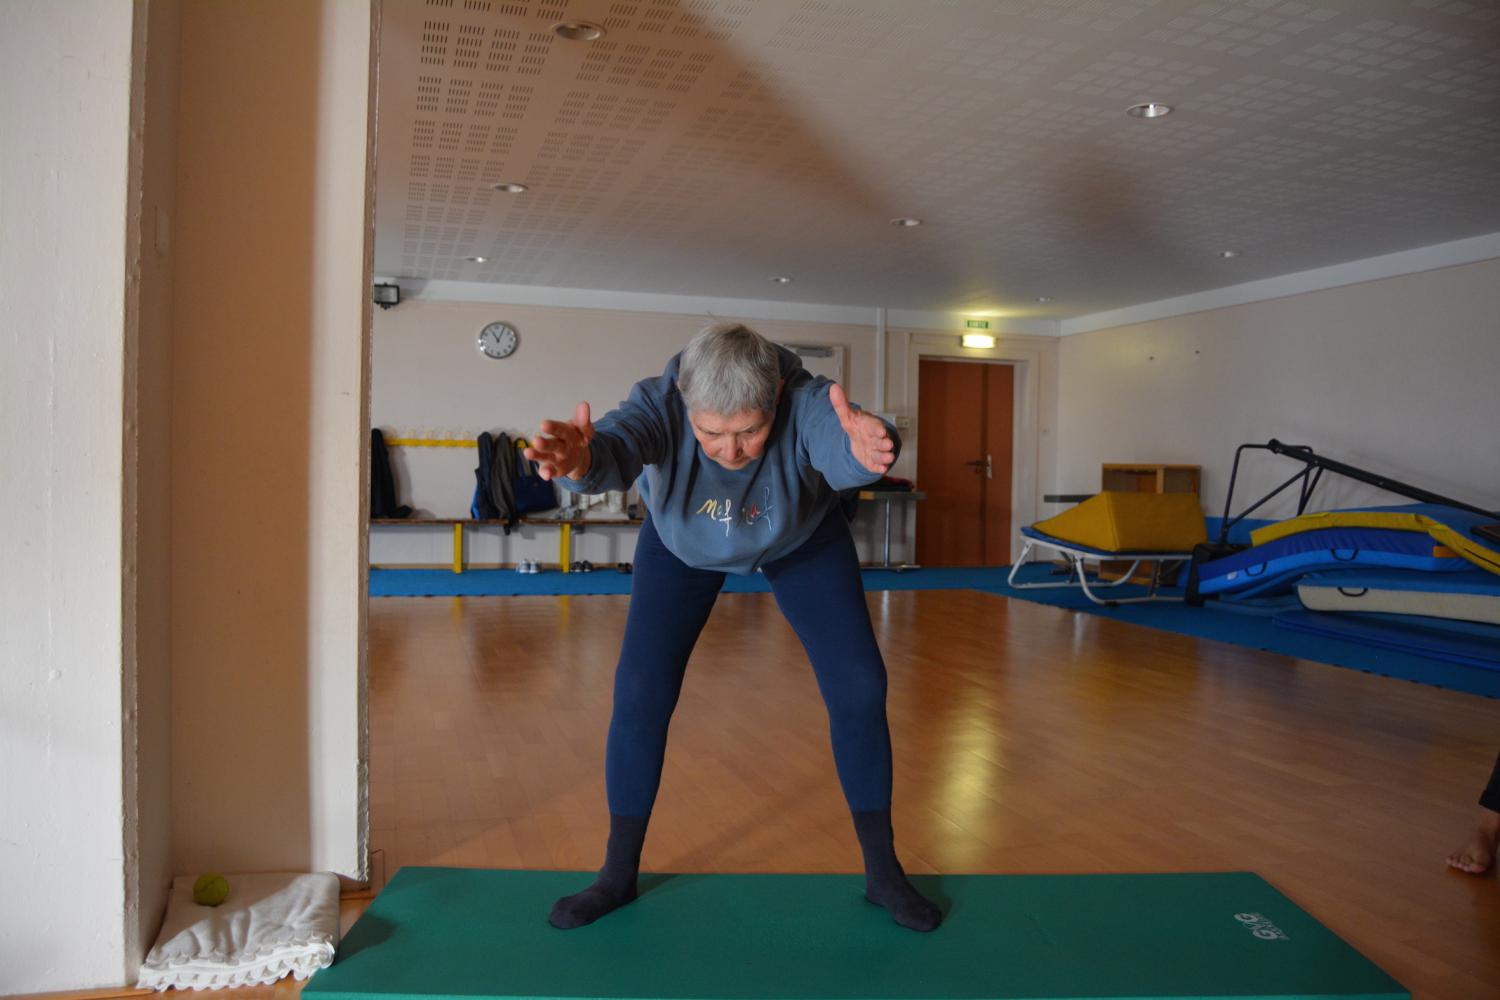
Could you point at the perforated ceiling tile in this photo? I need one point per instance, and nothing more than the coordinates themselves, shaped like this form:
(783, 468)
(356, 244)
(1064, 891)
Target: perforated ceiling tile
(943, 108)
(1376, 48)
(1034, 122)
(961, 163)
(1133, 74)
(699, 141)
(1206, 179)
(1093, 15)
(679, 187)
(1179, 139)
(1456, 140)
(1474, 182)
(1475, 79)
(1272, 152)
(1274, 193)
(1240, 29)
(995, 55)
(1372, 117)
(1369, 166)
(1258, 98)
(844, 30)
(500, 54)
(721, 125)
(1365, 203)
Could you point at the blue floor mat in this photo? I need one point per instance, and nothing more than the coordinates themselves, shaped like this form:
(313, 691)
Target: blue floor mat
(1466, 643)
(1237, 624)
(1252, 626)
(509, 583)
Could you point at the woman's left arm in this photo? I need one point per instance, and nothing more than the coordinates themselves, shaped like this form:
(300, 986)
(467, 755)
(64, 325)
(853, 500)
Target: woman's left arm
(847, 445)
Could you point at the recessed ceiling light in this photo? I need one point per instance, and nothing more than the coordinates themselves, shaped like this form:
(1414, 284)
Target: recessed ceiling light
(578, 31)
(1227, 254)
(906, 222)
(1149, 110)
(781, 279)
(508, 187)
(1044, 298)
(476, 260)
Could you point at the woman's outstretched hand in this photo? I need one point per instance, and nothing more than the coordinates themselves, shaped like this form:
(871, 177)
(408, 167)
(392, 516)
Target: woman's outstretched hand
(561, 448)
(869, 440)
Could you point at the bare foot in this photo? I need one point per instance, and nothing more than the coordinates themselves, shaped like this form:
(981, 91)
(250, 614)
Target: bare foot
(1477, 855)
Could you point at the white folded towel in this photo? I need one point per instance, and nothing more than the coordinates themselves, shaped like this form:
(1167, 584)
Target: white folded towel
(270, 925)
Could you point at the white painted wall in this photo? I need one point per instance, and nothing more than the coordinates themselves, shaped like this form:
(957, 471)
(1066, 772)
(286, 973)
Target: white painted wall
(268, 437)
(1397, 375)
(65, 71)
(429, 380)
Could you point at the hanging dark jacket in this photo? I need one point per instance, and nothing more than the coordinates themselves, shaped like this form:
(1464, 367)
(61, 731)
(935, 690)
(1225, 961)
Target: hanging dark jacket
(382, 482)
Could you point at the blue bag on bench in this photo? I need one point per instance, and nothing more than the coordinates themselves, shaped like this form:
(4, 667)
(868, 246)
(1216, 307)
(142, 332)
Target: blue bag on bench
(483, 507)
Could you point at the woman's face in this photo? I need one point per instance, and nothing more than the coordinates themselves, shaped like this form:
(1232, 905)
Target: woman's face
(735, 440)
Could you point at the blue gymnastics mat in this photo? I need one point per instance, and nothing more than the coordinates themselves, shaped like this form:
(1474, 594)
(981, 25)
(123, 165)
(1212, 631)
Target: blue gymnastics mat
(509, 583)
(464, 932)
(1467, 643)
(1254, 627)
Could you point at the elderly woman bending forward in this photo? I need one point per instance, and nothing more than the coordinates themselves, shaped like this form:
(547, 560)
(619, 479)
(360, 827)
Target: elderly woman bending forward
(740, 455)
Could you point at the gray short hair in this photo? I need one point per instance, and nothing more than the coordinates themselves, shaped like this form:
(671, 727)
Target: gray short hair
(728, 368)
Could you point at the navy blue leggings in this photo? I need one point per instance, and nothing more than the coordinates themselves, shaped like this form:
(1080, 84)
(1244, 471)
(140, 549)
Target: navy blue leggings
(819, 590)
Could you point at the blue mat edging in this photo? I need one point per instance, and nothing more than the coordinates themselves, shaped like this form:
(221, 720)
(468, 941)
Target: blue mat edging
(509, 583)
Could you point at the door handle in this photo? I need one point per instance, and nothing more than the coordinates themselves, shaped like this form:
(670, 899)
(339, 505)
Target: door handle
(987, 464)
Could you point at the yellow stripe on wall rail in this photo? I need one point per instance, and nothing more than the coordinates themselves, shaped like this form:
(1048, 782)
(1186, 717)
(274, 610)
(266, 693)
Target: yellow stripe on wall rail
(430, 442)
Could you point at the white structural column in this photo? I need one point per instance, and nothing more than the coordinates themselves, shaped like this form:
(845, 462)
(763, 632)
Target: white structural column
(65, 73)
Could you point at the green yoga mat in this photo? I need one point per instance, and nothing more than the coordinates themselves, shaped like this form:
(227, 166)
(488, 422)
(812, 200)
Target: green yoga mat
(467, 932)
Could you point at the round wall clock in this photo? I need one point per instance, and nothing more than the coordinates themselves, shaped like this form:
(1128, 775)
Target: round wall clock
(499, 340)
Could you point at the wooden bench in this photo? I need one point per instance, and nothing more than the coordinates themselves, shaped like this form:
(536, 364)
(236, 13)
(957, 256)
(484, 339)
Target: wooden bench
(568, 524)
(565, 541)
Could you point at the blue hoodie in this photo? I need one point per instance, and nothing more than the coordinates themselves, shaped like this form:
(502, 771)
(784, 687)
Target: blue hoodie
(714, 518)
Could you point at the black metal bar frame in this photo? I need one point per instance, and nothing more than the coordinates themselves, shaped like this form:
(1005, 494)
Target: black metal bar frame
(1313, 468)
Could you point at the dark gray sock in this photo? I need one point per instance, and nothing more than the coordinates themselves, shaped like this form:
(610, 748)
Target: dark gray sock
(885, 881)
(615, 885)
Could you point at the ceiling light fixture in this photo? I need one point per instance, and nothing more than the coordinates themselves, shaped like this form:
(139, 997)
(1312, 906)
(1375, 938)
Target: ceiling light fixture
(906, 222)
(780, 279)
(476, 260)
(578, 31)
(1044, 298)
(1228, 254)
(1149, 110)
(509, 187)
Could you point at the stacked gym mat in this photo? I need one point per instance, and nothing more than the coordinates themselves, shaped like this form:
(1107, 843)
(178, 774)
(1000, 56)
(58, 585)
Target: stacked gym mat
(1416, 579)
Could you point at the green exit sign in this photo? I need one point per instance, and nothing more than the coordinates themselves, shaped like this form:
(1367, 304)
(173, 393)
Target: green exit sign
(976, 324)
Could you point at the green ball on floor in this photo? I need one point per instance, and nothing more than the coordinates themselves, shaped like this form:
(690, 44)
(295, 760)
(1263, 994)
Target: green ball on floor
(210, 890)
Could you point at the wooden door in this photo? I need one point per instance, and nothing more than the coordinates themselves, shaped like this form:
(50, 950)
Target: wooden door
(964, 420)
(999, 422)
(950, 432)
